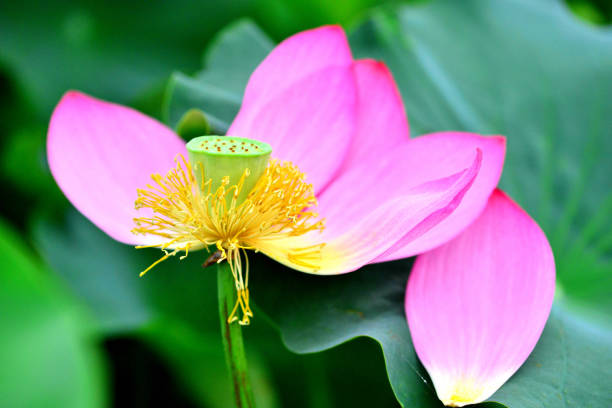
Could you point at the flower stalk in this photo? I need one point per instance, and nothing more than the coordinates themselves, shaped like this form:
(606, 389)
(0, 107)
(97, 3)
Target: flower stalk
(231, 335)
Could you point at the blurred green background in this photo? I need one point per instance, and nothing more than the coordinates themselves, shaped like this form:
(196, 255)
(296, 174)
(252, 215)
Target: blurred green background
(77, 333)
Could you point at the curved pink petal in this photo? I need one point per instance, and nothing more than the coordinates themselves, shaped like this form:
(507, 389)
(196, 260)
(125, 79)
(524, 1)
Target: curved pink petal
(436, 155)
(100, 153)
(477, 305)
(292, 60)
(378, 179)
(310, 124)
(302, 101)
(357, 233)
(381, 122)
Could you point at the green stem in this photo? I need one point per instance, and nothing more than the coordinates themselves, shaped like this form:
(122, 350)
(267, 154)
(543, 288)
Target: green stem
(231, 334)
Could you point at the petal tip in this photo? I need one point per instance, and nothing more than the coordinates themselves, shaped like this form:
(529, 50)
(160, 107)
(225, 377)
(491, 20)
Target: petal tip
(74, 99)
(373, 64)
(499, 143)
(73, 96)
(335, 29)
(500, 139)
(73, 93)
(333, 32)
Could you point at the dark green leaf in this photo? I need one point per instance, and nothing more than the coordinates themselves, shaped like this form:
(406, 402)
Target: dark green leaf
(567, 368)
(24, 163)
(115, 50)
(104, 273)
(198, 360)
(217, 90)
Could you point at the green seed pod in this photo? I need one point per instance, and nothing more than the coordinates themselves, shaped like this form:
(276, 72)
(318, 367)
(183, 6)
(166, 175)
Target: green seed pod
(227, 156)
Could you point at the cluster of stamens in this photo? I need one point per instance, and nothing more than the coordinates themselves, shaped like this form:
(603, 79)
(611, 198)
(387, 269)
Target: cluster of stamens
(190, 215)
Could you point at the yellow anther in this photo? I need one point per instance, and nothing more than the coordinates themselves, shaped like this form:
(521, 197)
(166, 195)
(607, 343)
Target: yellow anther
(188, 215)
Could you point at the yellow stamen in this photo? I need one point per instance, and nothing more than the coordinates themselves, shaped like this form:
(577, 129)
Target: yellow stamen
(188, 215)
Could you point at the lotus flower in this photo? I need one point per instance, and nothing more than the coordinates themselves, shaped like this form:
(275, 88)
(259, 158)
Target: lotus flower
(347, 187)
(340, 121)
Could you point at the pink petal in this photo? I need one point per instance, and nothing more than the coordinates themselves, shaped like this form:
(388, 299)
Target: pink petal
(357, 233)
(100, 153)
(379, 179)
(302, 101)
(382, 123)
(436, 155)
(294, 59)
(477, 305)
(310, 124)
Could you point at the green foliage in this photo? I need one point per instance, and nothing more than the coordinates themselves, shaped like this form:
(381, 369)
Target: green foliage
(105, 275)
(48, 352)
(217, 90)
(113, 49)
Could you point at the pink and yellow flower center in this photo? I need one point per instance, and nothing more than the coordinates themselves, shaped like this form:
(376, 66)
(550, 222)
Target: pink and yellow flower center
(192, 212)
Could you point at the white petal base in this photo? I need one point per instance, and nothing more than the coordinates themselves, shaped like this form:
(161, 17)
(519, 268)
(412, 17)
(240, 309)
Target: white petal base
(455, 390)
